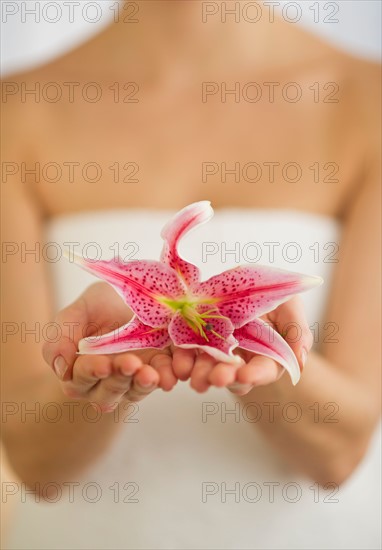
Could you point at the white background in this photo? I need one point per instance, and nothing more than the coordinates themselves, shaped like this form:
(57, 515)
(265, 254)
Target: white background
(28, 43)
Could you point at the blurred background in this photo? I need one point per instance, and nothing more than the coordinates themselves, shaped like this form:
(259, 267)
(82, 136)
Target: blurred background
(353, 25)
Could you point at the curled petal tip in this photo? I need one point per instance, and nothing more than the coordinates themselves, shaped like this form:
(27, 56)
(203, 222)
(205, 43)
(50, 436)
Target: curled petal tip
(205, 205)
(314, 280)
(81, 347)
(66, 254)
(191, 215)
(186, 219)
(260, 338)
(200, 204)
(73, 258)
(85, 345)
(294, 374)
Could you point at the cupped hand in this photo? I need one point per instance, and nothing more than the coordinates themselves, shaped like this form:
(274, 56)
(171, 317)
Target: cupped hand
(256, 370)
(104, 380)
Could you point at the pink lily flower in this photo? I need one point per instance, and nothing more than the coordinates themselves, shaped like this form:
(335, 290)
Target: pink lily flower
(172, 305)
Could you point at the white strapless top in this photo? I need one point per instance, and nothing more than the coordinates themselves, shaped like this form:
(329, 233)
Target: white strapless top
(185, 473)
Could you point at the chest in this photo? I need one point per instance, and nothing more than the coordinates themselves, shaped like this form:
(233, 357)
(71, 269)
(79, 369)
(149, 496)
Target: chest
(164, 154)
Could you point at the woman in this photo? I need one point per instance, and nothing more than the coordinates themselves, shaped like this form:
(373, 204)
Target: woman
(163, 113)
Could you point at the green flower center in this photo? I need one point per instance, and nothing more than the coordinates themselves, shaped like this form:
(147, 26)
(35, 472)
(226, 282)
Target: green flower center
(201, 322)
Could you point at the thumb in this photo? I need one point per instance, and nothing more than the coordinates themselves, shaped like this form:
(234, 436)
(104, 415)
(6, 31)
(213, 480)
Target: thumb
(292, 324)
(61, 355)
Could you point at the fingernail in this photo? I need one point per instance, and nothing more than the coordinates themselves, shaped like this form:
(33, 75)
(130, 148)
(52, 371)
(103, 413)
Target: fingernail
(238, 386)
(109, 408)
(304, 357)
(127, 371)
(147, 385)
(60, 366)
(102, 375)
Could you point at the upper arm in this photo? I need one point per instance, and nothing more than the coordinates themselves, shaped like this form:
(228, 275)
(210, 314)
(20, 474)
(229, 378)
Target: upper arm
(355, 300)
(26, 297)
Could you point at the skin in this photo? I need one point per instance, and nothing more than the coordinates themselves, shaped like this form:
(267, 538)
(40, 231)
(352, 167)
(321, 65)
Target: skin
(176, 131)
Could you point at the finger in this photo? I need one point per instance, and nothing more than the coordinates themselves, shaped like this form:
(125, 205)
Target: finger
(126, 364)
(260, 371)
(222, 375)
(201, 371)
(239, 389)
(162, 363)
(144, 382)
(292, 324)
(61, 355)
(113, 389)
(109, 392)
(88, 370)
(183, 362)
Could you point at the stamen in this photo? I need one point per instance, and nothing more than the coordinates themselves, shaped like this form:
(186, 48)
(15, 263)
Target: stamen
(199, 322)
(218, 335)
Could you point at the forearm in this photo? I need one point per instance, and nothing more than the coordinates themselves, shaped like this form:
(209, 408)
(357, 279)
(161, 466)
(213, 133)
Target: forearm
(322, 425)
(50, 437)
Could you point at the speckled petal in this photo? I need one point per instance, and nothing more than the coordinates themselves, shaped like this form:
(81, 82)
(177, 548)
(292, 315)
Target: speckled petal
(133, 336)
(140, 283)
(183, 336)
(259, 337)
(187, 218)
(246, 292)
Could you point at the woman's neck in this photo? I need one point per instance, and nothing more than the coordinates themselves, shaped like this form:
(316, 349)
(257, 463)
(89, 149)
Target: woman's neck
(180, 36)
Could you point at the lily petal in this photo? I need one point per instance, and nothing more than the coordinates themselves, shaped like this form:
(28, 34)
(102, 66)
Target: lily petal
(142, 284)
(259, 337)
(219, 345)
(246, 292)
(187, 218)
(132, 336)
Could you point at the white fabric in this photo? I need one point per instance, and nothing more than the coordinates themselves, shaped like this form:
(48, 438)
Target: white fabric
(170, 453)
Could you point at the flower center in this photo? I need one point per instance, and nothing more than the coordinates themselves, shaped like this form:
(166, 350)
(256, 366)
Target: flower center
(201, 322)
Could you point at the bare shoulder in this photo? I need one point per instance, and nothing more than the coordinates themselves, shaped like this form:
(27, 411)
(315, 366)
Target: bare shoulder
(364, 88)
(360, 114)
(350, 107)
(339, 109)
(359, 77)
(36, 100)
(23, 110)
(357, 122)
